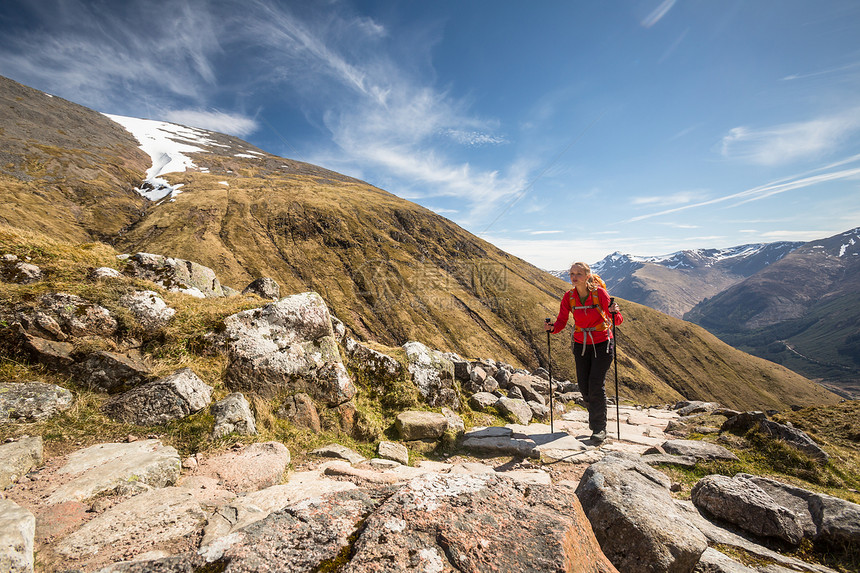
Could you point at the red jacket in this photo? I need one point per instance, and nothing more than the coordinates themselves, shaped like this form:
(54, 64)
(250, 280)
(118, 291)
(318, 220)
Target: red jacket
(586, 317)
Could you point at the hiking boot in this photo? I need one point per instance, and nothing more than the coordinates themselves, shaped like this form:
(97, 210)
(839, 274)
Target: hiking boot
(598, 436)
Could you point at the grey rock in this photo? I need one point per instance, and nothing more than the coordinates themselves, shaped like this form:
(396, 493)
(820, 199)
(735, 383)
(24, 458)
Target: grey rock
(393, 451)
(695, 407)
(741, 502)
(698, 449)
(482, 400)
(290, 346)
(264, 287)
(148, 308)
(379, 372)
(112, 372)
(824, 518)
(233, 414)
(619, 497)
(19, 457)
(433, 374)
(17, 533)
(518, 410)
(656, 459)
(175, 274)
(456, 427)
(75, 316)
(532, 388)
(414, 425)
(539, 411)
(795, 438)
(170, 398)
(32, 401)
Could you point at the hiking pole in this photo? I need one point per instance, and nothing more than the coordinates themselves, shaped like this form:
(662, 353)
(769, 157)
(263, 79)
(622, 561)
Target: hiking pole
(549, 363)
(615, 358)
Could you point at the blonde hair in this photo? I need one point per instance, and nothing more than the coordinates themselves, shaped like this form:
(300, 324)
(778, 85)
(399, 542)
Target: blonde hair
(593, 281)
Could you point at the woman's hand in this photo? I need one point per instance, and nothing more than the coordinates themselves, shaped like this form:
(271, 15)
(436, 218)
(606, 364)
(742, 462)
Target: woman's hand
(548, 326)
(614, 308)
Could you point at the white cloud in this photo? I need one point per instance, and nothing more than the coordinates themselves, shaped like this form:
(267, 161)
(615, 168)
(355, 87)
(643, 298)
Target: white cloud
(790, 142)
(658, 13)
(679, 198)
(232, 124)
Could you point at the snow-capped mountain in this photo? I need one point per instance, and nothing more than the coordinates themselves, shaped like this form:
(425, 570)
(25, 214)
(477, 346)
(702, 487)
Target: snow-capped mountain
(676, 282)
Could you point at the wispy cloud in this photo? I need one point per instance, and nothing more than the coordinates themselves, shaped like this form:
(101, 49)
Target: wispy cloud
(800, 181)
(214, 120)
(790, 142)
(658, 13)
(680, 198)
(826, 72)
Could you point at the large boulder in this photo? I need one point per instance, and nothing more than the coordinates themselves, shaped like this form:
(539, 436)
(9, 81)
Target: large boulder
(433, 374)
(32, 401)
(825, 519)
(478, 522)
(621, 499)
(286, 347)
(17, 533)
(741, 502)
(175, 274)
(170, 398)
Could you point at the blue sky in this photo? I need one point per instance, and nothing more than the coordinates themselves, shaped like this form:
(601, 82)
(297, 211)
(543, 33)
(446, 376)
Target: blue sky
(557, 130)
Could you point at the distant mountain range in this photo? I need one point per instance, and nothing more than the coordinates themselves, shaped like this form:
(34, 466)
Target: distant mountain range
(676, 282)
(803, 311)
(389, 269)
(796, 304)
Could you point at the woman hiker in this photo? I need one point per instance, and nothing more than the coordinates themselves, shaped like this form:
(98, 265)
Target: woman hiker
(591, 340)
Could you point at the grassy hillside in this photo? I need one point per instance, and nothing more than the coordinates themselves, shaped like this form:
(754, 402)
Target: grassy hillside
(391, 270)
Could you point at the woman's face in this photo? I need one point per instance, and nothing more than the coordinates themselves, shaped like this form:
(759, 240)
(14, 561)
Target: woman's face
(578, 276)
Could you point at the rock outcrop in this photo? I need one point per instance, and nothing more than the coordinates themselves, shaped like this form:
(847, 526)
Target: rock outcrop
(286, 347)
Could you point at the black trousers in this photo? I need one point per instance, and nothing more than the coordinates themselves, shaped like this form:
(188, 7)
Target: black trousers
(591, 369)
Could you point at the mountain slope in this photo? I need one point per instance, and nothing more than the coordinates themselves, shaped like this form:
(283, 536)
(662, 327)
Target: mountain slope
(802, 311)
(675, 283)
(391, 270)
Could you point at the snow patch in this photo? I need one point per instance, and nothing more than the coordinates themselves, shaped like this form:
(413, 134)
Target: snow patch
(245, 155)
(167, 144)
